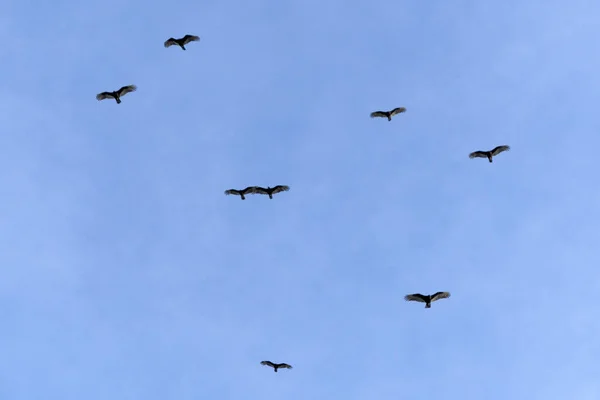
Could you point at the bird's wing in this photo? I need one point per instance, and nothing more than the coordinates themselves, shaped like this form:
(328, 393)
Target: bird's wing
(500, 149)
(127, 89)
(398, 110)
(232, 191)
(280, 188)
(249, 190)
(170, 42)
(378, 114)
(269, 363)
(104, 95)
(260, 190)
(284, 365)
(480, 154)
(415, 297)
(440, 295)
(190, 38)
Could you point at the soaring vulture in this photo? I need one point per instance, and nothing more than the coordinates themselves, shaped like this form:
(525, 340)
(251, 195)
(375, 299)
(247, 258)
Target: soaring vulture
(181, 42)
(489, 154)
(241, 193)
(388, 114)
(426, 299)
(276, 366)
(116, 94)
(271, 191)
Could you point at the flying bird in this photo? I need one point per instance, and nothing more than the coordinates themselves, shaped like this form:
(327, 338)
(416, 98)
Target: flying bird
(276, 366)
(426, 299)
(388, 114)
(242, 193)
(116, 94)
(271, 191)
(489, 154)
(181, 42)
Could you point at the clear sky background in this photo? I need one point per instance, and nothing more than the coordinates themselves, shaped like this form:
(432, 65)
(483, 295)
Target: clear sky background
(128, 274)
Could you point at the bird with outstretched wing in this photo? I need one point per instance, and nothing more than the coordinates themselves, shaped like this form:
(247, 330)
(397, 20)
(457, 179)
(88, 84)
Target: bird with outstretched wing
(427, 299)
(489, 154)
(116, 94)
(388, 114)
(241, 193)
(271, 191)
(182, 41)
(276, 366)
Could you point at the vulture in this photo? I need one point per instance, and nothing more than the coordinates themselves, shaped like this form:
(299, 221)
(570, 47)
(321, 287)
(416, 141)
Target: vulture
(116, 94)
(426, 299)
(388, 114)
(276, 366)
(489, 154)
(181, 42)
(242, 193)
(271, 191)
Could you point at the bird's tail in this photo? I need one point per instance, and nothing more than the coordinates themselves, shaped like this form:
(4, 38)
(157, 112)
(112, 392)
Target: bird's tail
(428, 305)
(183, 47)
(490, 158)
(243, 198)
(271, 197)
(275, 368)
(118, 100)
(389, 117)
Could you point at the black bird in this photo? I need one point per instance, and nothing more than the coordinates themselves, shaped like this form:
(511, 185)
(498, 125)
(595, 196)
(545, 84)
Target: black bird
(276, 366)
(489, 154)
(426, 299)
(116, 94)
(271, 192)
(248, 190)
(388, 114)
(181, 42)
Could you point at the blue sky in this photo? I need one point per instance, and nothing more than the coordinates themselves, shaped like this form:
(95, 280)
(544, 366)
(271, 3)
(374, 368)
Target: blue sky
(128, 274)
